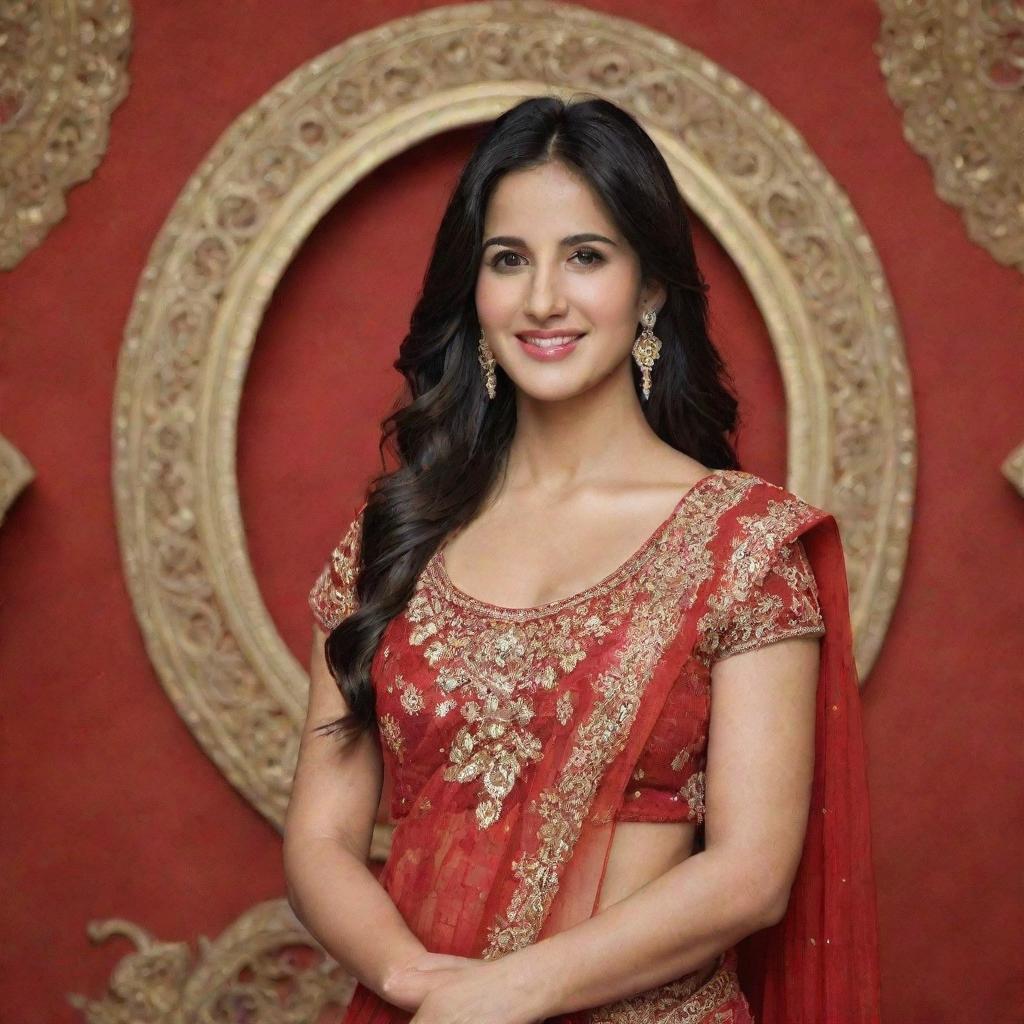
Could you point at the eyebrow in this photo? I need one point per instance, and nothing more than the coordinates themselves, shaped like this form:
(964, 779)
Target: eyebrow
(587, 236)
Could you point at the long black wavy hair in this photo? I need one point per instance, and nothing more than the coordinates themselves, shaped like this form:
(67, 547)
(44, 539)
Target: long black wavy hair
(450, 440)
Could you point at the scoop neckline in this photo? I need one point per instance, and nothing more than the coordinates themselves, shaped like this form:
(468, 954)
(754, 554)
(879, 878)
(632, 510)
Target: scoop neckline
(528, 611)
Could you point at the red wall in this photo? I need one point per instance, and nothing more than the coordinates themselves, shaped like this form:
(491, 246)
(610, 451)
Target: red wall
(109, 807)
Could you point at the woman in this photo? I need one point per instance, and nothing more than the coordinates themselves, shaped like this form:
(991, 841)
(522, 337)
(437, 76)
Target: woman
(525, 623)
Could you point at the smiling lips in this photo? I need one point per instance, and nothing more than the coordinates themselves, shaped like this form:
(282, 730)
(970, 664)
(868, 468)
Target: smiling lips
(548, 344)
(553, 342)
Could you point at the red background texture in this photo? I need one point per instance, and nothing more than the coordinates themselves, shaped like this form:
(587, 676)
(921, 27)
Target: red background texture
(110, 809)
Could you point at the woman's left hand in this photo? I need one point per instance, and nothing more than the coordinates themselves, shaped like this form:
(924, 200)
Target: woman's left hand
(484, 992)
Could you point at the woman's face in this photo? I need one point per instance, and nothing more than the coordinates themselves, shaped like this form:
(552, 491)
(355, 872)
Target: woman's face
(553, 261)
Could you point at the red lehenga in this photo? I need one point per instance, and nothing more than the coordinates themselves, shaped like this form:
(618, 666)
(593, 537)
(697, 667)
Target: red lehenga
(516, 739)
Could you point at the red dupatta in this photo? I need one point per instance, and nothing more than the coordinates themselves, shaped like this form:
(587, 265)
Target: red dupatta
(820, 963)
(538, 870)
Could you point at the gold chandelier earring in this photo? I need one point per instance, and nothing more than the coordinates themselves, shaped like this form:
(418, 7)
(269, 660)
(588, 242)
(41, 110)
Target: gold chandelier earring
(486, 359)
(646, 349)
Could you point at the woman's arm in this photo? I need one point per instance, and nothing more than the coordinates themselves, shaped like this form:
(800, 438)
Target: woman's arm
(328, 829)
(759, 773)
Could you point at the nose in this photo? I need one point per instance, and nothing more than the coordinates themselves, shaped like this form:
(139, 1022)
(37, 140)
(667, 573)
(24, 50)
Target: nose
(544, 298)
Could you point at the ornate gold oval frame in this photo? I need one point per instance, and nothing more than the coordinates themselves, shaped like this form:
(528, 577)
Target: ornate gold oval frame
(744, 170)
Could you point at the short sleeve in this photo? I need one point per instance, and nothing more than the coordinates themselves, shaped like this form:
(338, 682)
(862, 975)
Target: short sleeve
(333, 596)
(782, 603)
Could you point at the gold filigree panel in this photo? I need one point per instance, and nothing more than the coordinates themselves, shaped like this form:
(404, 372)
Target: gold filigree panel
(265, 969)
(276, 171)
(62, 74)
(956, 70)
(15, 475)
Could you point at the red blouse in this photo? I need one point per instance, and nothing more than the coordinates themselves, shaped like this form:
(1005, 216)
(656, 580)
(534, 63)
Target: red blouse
(429, 700)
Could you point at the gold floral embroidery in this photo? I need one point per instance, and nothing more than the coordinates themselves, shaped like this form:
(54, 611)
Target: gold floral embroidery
(693, 793)
(501, 660)
(734, 621)
(564, 706)
(683, 561)
(392, 734)
(491, 748)
(794, 567)
(443, 708)
(685, 1000)
(679, 761)
(764, 618)
(412, 700)
(333, 596)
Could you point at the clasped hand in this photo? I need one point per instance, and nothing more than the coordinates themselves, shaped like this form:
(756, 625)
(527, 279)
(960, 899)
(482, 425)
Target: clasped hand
(438, 988)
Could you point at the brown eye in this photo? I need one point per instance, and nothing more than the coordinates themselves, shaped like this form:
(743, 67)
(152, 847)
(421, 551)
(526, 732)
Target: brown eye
(496, 262)
(597, 257)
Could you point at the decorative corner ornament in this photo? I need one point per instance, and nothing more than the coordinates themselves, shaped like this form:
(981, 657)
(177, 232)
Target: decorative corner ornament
(956, 71)
(64, 73)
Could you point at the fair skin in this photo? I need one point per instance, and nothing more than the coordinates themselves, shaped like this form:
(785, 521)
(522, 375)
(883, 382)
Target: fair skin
(591, 477)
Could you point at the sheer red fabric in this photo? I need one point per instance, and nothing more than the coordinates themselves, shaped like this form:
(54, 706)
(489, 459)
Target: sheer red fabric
(513, 738)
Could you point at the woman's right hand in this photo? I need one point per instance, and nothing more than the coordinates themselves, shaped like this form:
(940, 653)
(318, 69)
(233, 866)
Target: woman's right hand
(409, 984)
